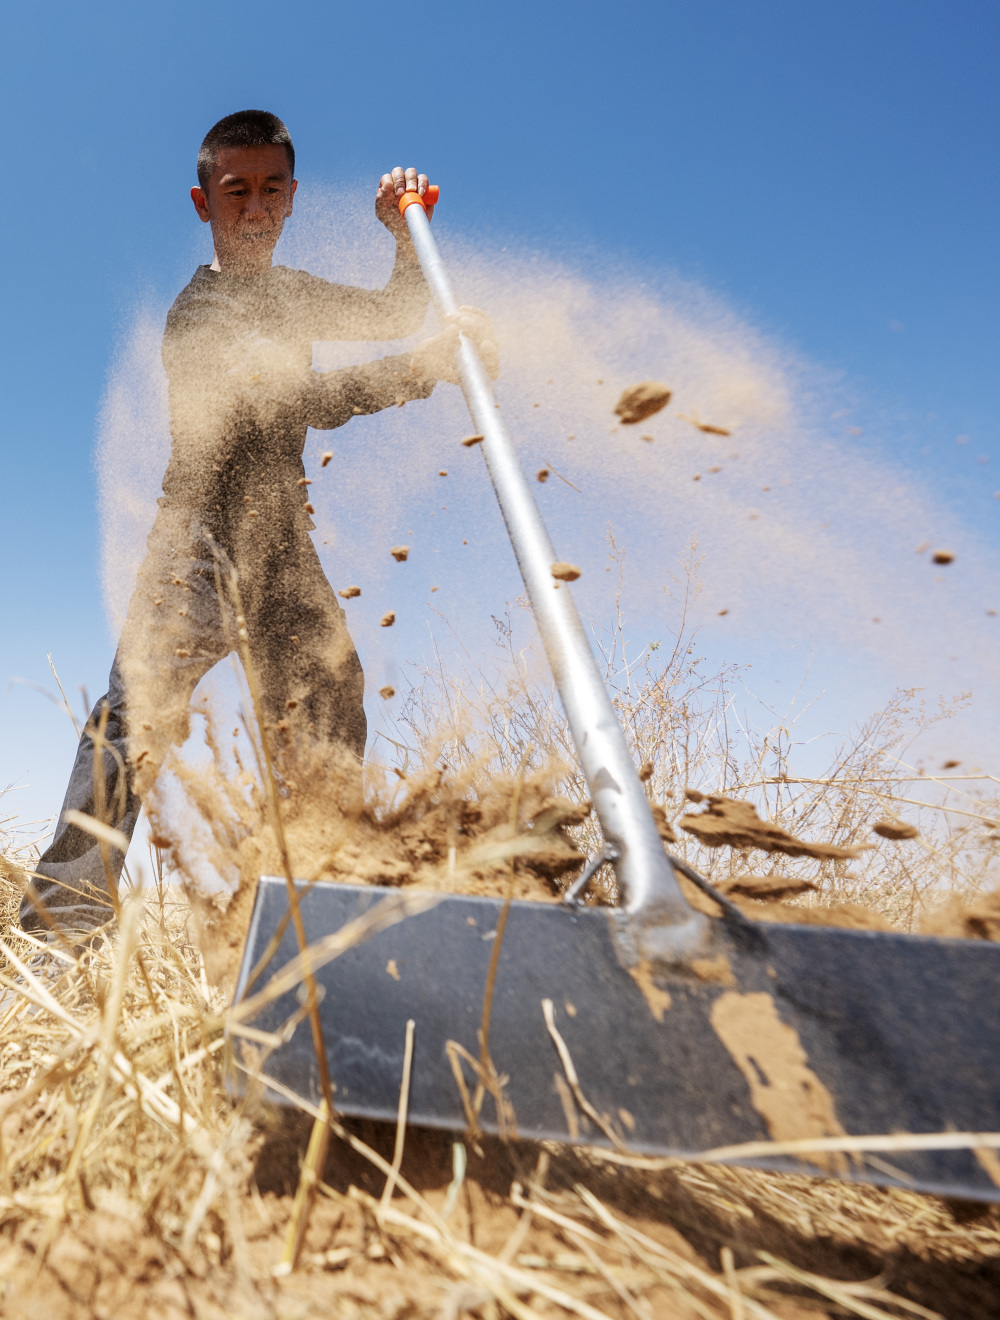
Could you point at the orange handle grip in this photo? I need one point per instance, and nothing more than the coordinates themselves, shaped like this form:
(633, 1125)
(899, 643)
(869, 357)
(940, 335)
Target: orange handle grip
(430, 198)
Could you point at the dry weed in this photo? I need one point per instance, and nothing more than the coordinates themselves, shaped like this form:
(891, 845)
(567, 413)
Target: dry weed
(698, 733)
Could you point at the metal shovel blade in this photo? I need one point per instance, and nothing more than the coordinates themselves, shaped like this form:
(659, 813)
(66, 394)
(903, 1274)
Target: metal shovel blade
(811, 1031)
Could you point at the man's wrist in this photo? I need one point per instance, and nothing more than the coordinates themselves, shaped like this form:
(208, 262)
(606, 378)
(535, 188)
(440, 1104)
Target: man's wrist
(404, 246)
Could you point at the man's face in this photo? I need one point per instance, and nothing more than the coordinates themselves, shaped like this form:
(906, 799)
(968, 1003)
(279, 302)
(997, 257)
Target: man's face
(248, 198)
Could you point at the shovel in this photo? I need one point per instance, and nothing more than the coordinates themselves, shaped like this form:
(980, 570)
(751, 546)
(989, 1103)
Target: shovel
(650, 1029)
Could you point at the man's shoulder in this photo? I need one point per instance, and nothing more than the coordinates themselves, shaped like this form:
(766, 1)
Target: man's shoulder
(200, 282)
(203, 306)
(202, 287)
(209, 283)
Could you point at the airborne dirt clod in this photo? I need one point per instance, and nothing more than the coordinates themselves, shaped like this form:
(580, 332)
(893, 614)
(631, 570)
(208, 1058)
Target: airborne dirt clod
(641, 401)
(895, 829)
(736, 823)
(767, 886)
(708, 429)
(565, 572)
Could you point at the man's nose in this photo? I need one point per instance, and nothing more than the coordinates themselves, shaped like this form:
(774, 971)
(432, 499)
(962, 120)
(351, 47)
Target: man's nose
(254, 203)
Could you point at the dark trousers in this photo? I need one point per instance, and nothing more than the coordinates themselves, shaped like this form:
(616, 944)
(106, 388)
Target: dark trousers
(182, 619)
(72, 878)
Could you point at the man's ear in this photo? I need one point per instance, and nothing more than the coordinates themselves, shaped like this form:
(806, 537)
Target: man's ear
(291, 197)
(200, 204)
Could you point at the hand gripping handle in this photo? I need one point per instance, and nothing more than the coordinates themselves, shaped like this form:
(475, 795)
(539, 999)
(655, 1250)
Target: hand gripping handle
(430, 198)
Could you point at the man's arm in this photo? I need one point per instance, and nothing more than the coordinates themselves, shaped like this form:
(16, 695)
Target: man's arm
(338, 311)
(389, 313)
(332, 398)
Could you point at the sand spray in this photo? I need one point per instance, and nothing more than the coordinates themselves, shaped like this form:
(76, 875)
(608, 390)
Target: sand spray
(804, 537)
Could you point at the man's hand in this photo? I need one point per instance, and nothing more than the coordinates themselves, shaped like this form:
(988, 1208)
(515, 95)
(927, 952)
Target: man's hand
(436, 356)
(390, 189)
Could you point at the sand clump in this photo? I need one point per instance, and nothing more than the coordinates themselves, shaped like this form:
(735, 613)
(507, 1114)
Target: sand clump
(767, 886)
(564, 572)
(641, 401)
(734, 822)
(663, 825)
(787, 908)
(895, 829)
(425, 828)
(707, 428)
(848, 916)
(766, 898)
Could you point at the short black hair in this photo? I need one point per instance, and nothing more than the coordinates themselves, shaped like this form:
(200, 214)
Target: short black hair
(245, 128)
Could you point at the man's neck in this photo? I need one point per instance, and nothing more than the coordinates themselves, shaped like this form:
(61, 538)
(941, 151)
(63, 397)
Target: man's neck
(232, 268)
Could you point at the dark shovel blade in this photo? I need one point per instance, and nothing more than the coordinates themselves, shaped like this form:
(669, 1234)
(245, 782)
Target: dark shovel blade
(889, 1033)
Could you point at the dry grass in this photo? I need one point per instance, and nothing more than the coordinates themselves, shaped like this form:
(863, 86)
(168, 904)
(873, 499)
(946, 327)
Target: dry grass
(703, 731)
(134, 1181)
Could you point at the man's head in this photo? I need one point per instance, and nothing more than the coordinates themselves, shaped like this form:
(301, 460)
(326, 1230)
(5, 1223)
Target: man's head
(245, 187)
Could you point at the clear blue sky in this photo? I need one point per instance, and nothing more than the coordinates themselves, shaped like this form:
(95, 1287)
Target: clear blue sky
(829, 169)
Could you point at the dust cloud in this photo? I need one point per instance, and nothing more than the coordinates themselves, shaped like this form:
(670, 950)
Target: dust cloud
(804, 536)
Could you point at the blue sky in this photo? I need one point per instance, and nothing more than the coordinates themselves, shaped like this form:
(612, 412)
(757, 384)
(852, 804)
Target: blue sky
(827, 171)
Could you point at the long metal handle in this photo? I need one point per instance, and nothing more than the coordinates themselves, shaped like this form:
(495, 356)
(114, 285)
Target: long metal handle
(663, 925)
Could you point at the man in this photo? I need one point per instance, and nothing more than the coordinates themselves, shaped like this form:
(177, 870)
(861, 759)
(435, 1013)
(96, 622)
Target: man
(233, 521)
